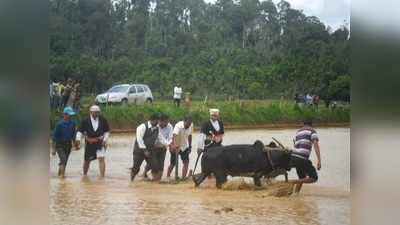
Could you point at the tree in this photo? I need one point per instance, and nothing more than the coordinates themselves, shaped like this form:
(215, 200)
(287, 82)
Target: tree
(243, 48)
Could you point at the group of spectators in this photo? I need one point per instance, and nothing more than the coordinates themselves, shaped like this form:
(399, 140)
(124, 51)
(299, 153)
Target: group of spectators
(307, 99)
(313, 100)
(65, 93)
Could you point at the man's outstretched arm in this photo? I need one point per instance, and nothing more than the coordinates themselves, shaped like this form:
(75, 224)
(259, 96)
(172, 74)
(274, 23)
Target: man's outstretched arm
(318, 153)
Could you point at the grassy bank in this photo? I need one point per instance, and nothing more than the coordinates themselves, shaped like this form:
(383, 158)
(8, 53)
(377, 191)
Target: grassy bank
(233, 113)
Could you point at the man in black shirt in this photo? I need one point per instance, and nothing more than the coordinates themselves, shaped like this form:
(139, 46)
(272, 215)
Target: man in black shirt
(146, 136)
(96, 131)
(211, 133)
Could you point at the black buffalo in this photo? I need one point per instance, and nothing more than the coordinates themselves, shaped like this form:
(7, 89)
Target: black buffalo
(242, 160)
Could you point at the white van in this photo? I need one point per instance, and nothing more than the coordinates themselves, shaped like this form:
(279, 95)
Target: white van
(126, 93)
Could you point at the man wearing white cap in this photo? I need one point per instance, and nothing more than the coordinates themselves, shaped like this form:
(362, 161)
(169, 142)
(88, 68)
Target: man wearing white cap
(211, 132)
(96, 132)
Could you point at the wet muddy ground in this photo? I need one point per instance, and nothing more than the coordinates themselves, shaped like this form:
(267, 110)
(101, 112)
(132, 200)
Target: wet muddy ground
(115, 201)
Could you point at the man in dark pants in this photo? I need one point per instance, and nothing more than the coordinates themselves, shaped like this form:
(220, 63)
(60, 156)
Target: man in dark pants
(306, 138)
(146, 136)
(64, 135)
(96, 132)
(181, 145)
(162, 143)
(66, 92)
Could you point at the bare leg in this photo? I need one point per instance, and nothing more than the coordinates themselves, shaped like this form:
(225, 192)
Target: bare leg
(170, 167)
(86, 165)
(299, 183)
(134, 172)
(102, 166)
(298, 188)
(61, 171)
(185, 169)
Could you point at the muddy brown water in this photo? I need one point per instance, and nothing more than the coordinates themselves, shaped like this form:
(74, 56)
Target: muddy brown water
(115, 201)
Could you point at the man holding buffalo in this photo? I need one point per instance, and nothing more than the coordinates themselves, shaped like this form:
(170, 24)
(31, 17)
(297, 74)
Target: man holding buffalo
(211, 133)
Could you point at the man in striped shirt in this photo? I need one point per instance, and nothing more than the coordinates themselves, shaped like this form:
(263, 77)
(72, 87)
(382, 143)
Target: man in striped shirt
(306, 138)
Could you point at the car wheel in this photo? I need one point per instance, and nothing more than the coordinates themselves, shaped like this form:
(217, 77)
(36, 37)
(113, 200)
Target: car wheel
(124, 101)
(149, 100)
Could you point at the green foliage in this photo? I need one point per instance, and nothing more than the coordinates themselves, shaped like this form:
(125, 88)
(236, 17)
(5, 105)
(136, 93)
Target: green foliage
(247, 49)
(232, 113)
(340, 88)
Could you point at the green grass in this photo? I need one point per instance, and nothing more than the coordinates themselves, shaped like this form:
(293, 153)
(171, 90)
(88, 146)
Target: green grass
(247, 113)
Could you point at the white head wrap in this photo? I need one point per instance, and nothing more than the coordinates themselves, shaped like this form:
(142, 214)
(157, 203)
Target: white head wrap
(214, 111)
(94, 108)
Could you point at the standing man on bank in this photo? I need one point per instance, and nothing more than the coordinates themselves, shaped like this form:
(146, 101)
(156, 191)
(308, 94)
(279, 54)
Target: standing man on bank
(306, 137)
(177, 95)
(57, 95)
(61, 89)
(211, 133)
(63, 136)
(181, 145)
(96, 131)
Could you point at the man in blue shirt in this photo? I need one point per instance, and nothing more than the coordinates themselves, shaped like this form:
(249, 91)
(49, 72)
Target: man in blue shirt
(64, 135)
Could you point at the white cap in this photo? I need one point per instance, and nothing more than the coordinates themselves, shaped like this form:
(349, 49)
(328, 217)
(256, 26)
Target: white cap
(214, 111)
(94, 108)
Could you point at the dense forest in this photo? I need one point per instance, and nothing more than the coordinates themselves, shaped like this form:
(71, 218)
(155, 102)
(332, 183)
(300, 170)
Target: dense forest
(246, 49)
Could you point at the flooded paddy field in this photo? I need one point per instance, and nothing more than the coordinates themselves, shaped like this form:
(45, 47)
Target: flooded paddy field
(114, 200)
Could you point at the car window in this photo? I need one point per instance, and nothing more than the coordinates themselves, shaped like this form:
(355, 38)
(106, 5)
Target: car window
(146, 88)
(140, 89)
(118, 89)
(132, 90)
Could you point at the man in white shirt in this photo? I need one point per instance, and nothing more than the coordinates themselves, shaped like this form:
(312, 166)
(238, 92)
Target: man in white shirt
(309, 99)
(177, 95)
(181, 145)
(56, 95)
(146, 136)
(162, 143)
(51, 94)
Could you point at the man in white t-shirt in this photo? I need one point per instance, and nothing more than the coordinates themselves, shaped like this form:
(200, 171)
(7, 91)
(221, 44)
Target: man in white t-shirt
(177, 95)
(181, 144)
